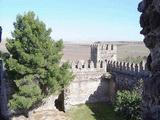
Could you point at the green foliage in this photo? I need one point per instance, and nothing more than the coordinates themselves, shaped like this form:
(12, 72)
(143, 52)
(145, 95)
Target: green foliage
(34, 62)
(29, 92)
(127, 104)
(96, 111)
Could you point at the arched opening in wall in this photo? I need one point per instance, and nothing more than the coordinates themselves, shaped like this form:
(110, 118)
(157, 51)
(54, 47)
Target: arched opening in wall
(101, 64)
(59, 102)
(102, 47)
(107, 47)
(89, 62)
(95, 50)
(89, 66)
(111, 47)
(82, 66)
(76, 66)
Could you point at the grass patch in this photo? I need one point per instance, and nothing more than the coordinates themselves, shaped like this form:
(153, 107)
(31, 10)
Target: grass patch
(97, 111)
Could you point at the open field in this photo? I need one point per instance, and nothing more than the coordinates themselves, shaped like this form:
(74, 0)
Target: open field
(133, 49)
(76, 52)
(82, 51)
(125, 49)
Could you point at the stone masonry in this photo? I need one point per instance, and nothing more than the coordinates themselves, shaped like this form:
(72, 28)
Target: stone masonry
(127, 74)
(88, 85)
(91, 84)
(150, 23)
(103, 51)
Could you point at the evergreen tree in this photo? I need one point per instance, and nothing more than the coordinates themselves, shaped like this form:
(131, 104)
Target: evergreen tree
(34, 63)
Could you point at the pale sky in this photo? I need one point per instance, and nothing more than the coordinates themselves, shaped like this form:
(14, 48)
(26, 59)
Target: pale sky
(78, 20)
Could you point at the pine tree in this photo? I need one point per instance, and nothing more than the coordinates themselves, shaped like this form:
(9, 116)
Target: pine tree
(34, 63)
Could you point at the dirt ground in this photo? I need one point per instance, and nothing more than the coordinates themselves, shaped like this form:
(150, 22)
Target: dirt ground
(45, 115)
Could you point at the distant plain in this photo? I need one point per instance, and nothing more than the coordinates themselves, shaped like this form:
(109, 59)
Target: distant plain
(76, 52)
(125, 49)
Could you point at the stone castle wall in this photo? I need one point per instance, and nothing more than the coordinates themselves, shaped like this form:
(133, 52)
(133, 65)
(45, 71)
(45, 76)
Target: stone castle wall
(127, 74)
(88, 85)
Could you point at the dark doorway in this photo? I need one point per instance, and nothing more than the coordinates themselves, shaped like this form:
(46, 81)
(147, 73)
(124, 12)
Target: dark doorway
(59, 103)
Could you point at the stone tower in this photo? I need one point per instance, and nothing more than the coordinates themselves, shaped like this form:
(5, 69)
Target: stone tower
(103, 51)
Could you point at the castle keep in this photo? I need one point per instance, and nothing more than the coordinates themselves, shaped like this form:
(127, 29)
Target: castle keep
(103, 51)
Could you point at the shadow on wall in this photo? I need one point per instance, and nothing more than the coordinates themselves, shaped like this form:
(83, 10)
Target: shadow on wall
(101, 94)
(106, 90)
(59, 103)
(100, 103)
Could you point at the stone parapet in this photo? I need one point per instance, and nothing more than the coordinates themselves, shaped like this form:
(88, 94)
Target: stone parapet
(128, 68)
(88, 66)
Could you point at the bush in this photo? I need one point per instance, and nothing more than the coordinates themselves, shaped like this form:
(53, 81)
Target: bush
(127, 104)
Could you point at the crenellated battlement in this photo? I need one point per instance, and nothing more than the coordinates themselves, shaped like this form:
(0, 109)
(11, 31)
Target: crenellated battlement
(123, 68)
(127, 74)
(127, 68)
(110, 66)
(91, 84)
(89, 65)
(102, 46)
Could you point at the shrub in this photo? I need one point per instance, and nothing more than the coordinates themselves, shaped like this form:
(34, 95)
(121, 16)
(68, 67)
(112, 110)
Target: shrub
(127, 104)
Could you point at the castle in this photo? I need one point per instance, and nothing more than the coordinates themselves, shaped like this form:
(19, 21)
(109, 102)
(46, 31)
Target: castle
(97, 79)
